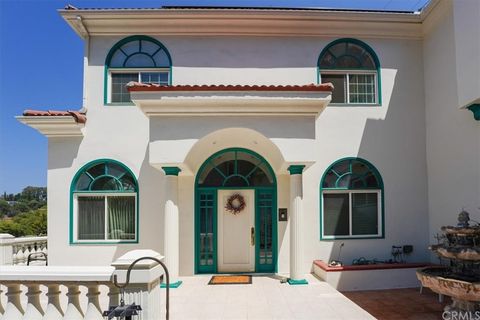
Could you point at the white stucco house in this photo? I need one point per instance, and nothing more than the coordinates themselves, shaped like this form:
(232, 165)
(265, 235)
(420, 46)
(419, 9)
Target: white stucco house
(260, 139)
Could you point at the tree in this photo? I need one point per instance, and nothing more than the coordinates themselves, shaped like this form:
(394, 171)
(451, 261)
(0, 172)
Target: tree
(4, 208)
(18, 207)
(26, 224)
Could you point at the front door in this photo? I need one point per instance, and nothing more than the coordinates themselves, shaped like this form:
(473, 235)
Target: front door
(236, 232)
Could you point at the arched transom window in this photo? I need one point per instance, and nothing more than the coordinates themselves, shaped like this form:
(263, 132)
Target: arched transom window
(352, 200)
(139, 59)
(236, 168)
(353, 68)
(104, 195)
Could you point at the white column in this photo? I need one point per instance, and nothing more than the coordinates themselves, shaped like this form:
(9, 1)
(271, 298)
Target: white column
(297, 275)
(171, 225)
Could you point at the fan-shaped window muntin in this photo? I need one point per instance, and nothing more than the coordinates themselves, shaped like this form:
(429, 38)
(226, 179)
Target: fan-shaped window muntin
(351, 194)
(236, 169)
(104, 197)
(353, 68)
(139, 59)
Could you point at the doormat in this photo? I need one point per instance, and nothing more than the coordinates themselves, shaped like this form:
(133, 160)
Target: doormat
(235, 279)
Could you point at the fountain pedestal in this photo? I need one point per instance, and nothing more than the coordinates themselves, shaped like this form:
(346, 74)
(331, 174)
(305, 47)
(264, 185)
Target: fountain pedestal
(461, 280)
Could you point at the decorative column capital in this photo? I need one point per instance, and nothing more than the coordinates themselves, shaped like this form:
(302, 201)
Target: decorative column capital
(171, 171)
(296, 169)
(475, 108)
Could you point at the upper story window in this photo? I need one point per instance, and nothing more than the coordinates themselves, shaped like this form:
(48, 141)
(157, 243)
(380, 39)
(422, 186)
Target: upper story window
(136, 58)
(353, 68)
(104, 199)
(351, 200)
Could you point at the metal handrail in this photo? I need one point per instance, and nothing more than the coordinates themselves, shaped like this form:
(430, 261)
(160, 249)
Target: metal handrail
(127, 282)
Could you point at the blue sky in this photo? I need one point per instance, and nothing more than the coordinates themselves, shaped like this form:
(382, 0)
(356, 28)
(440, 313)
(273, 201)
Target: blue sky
(41, 68)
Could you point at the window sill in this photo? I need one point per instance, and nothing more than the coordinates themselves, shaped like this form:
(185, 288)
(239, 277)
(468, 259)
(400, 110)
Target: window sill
(113, 104)
(356, 105)
(112, 242)
(331, 238)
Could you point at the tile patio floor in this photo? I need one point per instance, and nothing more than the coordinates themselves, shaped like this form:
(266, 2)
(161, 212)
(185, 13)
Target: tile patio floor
(265, 298)
(400, 303)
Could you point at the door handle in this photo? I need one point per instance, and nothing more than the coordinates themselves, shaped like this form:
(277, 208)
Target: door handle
(252, 236)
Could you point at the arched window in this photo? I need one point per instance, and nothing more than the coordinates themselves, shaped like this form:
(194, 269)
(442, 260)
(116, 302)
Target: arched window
(104, 197)
(139, 59)
(353, 68)
(236, 168)
(351, 193)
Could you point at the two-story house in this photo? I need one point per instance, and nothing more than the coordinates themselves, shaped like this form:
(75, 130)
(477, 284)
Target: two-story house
(261, 139)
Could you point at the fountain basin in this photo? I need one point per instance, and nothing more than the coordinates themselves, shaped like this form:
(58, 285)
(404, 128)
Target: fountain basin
(460, 253)
(457, 289)
(467, 231)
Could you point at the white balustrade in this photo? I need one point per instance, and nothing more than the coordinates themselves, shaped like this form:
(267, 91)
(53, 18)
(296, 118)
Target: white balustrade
(16, 250)
(79, 293)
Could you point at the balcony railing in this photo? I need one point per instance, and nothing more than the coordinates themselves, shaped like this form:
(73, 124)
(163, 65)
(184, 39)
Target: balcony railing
(79, 292)
(15, 251)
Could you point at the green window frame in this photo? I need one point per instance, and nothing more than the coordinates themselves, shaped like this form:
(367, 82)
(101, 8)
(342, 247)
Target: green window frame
(354, 69)
(352, 201)
(135, 58)
(105, 194)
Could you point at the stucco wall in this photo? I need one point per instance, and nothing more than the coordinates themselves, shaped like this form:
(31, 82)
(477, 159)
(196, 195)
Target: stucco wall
(452, 133)
(466, 26)
(391, 136)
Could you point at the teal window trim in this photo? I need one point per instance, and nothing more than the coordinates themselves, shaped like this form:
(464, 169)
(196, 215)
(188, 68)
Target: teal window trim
(199, 190)
(118, 46)
(380, 190)
(74, 192)
(378, 70)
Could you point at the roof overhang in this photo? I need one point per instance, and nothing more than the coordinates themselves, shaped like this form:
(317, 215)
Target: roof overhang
(54, 126)
(309, 100)
(250, 22)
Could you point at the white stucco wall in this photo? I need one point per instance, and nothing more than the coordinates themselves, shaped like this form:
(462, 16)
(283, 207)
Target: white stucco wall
(466, 26)
(452, 133)
(391, 136)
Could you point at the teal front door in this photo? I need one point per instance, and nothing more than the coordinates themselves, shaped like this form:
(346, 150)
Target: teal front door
(219, 247)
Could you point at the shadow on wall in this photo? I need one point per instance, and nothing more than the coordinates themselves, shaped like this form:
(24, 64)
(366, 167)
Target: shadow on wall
(393, 140)
(151, 183)
(67, 148)
(179, 128)
(224, 52)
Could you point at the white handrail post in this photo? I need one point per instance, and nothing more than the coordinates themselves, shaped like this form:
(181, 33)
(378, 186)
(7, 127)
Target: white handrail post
(144, 287)
(74, 311)
(14, 310)
(94, 312)
(34, 310)
(53, 310)
(6, 249)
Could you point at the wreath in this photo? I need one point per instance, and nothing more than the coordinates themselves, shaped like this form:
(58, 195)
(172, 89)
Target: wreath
(235, 203)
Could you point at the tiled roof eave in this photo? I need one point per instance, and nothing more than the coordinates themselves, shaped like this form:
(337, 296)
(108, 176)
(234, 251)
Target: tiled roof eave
(148, 87)
(79, 117)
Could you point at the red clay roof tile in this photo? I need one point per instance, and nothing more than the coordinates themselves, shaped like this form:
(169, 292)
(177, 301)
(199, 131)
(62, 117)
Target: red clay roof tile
(80, 117)
(137, 86)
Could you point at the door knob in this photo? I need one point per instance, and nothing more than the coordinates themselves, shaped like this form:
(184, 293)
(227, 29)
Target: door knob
(252, 236)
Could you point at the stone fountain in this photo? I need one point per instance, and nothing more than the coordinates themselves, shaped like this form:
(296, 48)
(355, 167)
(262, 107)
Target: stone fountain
(460, 280)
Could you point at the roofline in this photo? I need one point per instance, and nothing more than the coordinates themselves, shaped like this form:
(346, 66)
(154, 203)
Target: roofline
(247, 21)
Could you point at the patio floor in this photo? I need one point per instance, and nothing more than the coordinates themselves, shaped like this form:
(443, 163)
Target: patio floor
(400, 303)
(265, 298)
